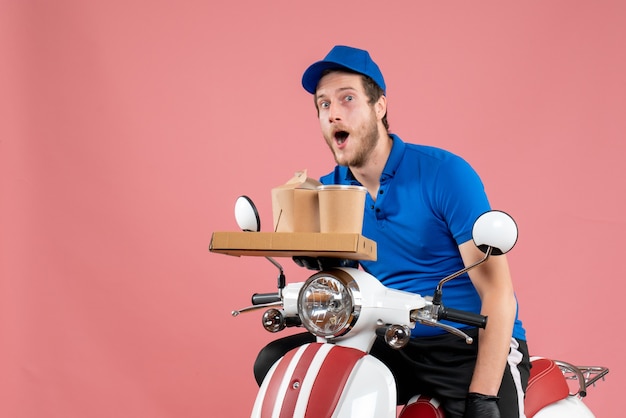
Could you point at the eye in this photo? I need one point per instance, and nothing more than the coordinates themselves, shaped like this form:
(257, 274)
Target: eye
(349, 98)
(324, 105)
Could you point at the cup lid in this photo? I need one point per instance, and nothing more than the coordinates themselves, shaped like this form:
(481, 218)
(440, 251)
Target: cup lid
(341, 187)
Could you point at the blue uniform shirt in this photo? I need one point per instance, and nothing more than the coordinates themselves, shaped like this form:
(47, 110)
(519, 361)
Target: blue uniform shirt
(426, 206)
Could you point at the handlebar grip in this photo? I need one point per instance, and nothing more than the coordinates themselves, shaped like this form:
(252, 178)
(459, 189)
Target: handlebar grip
(262, 298)
(463, 317)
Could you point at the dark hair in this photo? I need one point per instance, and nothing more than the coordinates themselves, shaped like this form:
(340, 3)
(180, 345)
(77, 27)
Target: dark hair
(372, 90)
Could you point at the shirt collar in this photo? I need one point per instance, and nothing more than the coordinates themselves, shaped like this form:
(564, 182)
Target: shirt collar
(395, 156)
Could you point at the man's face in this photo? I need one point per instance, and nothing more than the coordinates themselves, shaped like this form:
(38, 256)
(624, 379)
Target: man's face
(349, 123)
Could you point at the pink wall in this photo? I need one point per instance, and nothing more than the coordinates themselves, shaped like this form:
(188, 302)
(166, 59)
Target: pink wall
(129, 127)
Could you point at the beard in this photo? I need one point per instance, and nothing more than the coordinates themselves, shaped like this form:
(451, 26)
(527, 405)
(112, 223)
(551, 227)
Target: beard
(368, 140)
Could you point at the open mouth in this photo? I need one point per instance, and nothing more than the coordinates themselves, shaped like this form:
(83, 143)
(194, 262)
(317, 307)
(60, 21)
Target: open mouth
(341, 136)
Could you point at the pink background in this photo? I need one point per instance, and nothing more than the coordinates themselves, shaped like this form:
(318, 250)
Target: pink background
(128, 128)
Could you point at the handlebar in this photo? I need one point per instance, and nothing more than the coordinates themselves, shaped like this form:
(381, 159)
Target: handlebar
(263, 298)
(463, 317)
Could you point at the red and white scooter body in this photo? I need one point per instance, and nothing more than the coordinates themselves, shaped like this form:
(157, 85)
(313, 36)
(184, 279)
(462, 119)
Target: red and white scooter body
(331, 380)
(326, 380)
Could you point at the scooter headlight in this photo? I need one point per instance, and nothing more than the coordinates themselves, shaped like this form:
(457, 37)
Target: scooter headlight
(329, 303)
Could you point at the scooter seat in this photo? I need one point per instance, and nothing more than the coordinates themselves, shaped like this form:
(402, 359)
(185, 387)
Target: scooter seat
(546, 385)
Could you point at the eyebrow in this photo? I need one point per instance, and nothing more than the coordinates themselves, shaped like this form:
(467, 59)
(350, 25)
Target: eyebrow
(340, 89)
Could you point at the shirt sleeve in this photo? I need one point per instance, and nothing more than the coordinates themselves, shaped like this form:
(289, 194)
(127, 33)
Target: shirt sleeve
(461, 197)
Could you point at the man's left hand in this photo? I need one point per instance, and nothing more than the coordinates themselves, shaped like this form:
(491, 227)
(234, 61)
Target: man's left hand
(478, 405)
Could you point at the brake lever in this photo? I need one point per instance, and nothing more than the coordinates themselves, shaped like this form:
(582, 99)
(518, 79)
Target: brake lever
(255, 307)
(434, 323)
(428, 316)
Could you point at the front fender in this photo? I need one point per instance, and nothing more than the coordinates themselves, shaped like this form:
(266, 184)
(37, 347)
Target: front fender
(325, 380)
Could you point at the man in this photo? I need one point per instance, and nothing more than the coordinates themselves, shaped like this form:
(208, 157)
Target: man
(421, 205)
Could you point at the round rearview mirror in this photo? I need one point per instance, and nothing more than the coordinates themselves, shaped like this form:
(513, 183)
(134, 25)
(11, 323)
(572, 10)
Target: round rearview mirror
(246, 214)
(495, 229)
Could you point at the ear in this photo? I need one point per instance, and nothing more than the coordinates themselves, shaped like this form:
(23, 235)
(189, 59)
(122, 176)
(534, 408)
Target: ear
(381, 107)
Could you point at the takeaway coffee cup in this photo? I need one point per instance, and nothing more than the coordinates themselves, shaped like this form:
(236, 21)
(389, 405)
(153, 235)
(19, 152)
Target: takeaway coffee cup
(341, 208)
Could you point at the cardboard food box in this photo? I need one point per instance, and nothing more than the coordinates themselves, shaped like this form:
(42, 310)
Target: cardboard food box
(289, 244)
(295, 205)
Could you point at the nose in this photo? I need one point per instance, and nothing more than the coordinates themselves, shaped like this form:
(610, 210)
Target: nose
(334, 112)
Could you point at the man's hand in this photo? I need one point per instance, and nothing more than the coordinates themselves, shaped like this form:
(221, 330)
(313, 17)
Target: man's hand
(481, 406)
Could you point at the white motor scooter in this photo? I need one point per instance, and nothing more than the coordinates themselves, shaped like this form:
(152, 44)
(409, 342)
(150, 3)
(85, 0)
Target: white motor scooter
(347, 308)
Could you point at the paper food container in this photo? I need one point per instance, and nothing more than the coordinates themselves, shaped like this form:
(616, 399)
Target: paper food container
(295, 205)
(341, 208)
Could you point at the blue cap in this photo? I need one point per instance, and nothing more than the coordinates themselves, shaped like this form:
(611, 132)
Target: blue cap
(343, 58)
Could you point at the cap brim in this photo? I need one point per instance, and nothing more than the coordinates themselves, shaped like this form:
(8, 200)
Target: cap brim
(313, 74)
